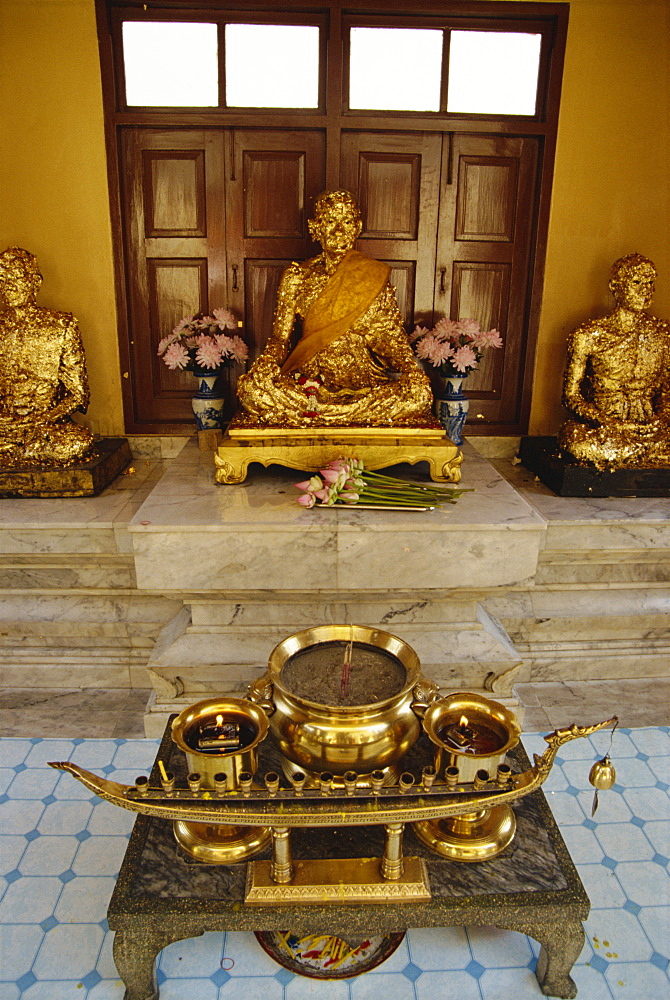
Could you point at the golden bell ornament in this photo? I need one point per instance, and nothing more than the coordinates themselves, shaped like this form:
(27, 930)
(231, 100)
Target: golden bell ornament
(602, 776)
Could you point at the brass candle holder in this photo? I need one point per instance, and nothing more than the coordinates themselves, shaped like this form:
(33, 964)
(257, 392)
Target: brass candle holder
(220, 738)
(472, 736)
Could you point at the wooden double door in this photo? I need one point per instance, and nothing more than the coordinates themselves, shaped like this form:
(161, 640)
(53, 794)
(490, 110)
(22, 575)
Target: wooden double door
(213, 216)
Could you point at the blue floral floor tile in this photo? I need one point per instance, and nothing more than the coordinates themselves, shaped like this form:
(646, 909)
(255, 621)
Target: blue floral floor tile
(61, 848)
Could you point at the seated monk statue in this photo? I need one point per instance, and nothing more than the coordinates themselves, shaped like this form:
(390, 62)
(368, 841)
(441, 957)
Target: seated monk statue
(42, 372)
(617, 379)
(352, 364)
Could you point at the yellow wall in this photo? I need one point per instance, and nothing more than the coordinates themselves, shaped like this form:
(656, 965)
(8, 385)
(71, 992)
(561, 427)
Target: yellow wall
(53, 176)
(611, 187)
(611, 193)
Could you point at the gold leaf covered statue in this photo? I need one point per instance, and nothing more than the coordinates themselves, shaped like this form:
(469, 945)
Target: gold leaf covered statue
(617, 379)
(42, 372)
(352, 364)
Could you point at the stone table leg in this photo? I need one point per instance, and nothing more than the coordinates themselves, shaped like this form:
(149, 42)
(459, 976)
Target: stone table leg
(135, 959)
(562, 943)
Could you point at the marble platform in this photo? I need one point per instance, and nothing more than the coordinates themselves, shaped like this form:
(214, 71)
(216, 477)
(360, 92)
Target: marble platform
(168, 579)
(259, 567)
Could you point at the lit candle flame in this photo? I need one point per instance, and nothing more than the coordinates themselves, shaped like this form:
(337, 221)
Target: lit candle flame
(463, 721)
(219, 720)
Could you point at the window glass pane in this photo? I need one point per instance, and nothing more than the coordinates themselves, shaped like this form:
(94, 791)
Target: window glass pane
(395, 69)
(493, 72)
(272, 66)
(171, 64)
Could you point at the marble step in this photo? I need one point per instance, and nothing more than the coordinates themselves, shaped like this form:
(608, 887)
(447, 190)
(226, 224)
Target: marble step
(636, 567)
(66, 571)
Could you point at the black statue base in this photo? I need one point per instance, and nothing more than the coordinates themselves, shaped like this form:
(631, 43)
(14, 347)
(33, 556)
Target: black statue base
(541, 456)
(163, 896)
(87, 478)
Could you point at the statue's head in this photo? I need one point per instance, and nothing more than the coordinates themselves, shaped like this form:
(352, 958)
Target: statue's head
(20, 276)
(632, 282)
(337, 221)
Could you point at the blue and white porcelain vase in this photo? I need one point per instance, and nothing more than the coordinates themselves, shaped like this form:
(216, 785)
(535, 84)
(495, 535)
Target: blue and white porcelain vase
(208, 401)
(452, 406)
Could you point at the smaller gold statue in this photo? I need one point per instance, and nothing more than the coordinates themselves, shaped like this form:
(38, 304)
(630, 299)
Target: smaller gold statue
(617, 379)
(352, 365)
(42, 372)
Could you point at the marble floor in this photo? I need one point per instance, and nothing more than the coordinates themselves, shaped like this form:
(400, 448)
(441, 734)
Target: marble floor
(60, 849)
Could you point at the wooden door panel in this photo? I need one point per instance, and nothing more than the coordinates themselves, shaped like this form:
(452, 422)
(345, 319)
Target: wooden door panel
(482, 291)
(403, 278)
(484, 262)
(486, 206)
(175, 286)
(174, 193)
(274, 186)
(173, 199)
(261, 282)
(389, 191)
(275, 178)
(395, 178)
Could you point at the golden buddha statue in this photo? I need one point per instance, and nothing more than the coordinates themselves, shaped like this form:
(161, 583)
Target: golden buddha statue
(617, 379)
(352, 365)
(42, 372)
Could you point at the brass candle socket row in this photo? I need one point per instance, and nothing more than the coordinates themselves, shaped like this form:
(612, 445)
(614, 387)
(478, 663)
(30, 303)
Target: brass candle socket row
(326, 782)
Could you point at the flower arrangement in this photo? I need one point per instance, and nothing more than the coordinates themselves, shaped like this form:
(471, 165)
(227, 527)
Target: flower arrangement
(199, 342)
(346, 482)
(454, 346)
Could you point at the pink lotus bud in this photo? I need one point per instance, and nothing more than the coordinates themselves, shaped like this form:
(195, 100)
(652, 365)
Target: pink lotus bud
(330, 475)
(307, 500)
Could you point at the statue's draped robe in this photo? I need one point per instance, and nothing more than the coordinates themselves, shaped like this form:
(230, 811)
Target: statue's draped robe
(353, 345)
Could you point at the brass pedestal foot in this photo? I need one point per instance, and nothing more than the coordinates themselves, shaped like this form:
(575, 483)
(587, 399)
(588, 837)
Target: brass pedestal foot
(218, 844)
(475, 836)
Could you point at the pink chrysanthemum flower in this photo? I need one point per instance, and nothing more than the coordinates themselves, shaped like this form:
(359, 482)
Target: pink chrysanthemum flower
(183, 324)
(165, 342)
(224, 344)
(419, 331)
(225, 319)
(433, 350)
(488, 338)
(239, 351)
(446, 329)
(468, 328)
(464, 358)
(208, 354)
(176, 356)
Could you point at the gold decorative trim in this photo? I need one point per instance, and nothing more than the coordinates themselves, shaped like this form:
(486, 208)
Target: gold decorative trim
(310, 450)
(338, 880)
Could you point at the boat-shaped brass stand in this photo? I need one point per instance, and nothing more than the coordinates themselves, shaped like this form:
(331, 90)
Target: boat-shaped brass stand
(310, 449)
(415, 799)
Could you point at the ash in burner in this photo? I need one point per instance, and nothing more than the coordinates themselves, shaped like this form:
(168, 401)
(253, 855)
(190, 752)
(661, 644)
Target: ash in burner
(316, 674)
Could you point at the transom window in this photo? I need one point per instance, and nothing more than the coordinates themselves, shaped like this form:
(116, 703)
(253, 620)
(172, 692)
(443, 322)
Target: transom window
(409, 69)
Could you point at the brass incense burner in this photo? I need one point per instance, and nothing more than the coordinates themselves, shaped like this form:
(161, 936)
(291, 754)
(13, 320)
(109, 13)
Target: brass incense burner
(344, 765)
(346, 733)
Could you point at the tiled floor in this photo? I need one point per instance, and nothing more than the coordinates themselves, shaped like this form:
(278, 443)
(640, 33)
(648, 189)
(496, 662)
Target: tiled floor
(61, 848)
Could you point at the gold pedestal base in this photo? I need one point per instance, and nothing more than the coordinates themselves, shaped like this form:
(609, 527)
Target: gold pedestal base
(216, 844)
(338, 880)
(309, 449)
(474, 836)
